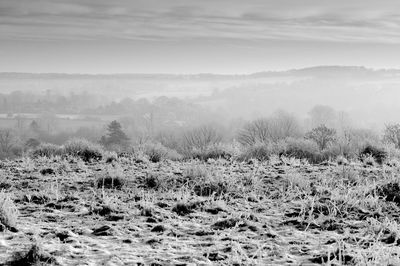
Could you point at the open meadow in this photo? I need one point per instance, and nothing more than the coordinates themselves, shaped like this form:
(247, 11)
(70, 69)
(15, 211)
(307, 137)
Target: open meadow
(131, 211)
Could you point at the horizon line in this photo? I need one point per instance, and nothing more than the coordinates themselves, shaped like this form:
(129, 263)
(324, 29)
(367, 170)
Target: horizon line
(198, 73)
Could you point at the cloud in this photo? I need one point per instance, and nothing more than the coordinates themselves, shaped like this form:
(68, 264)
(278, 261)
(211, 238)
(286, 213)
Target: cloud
(176, 20)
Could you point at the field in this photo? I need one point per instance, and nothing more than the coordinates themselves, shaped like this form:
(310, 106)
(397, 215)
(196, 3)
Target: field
(130, 211)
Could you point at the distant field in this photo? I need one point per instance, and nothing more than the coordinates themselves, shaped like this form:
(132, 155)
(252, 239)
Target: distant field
(61, 124)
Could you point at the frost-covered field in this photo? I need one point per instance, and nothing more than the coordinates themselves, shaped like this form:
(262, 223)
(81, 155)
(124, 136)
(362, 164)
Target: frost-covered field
(130, 211)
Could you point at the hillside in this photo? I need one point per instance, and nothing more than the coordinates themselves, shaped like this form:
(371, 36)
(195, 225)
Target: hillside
(132, 211)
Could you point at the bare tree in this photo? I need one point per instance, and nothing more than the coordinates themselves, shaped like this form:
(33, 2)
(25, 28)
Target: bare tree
(322, 136)
(255, 132)
(7, 140)
(284, 125)
(201, 137)
(280, 126)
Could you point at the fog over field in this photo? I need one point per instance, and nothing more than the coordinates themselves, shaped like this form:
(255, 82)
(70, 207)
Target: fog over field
(369, 97)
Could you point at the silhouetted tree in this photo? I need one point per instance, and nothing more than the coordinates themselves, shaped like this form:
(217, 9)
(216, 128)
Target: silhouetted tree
(115, 135)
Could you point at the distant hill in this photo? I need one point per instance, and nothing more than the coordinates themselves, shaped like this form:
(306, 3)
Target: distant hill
(313, 71)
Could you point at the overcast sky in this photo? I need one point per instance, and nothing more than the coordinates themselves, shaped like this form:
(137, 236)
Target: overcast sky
(192, 36)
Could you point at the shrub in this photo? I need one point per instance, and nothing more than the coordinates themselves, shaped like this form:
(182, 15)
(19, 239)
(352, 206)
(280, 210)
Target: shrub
(195, 172)
(205, 183)
(152, 181)
(352, 141)
(392, 152)
(379, 154)
(211, 186)
(8, 212)
(257, 131)
(279, 126)
(302, 149)
(47, 150)
(84, 149)
(215, 151)
(201, 137)
(259, 151)
(158, 181)
(157, 152)
(32, 143)
(309, 150)
(332, 152)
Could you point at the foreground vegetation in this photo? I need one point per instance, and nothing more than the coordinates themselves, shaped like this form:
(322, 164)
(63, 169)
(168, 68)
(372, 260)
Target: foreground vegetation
(128, 209)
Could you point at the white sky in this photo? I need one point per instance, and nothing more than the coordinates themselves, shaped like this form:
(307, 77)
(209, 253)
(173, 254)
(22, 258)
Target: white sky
(192, 36)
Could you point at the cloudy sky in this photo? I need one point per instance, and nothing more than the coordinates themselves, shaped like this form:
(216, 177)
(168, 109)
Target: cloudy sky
(192, 36)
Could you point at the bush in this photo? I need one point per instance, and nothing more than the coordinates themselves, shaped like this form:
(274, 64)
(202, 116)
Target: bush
(259, 151)
(157, 152)
(201, 137)
(352, 141)
(84, 149)
(279, 126)
(392, 152)
(195, 172)
(48, 150)
(379, 154)
(215, 151)
(332, 152)
(32, 143)
(257, 131)
(301, 148)
(204, 183)
(305, 149)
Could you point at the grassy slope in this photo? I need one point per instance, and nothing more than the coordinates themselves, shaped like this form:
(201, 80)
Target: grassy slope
(283, 213)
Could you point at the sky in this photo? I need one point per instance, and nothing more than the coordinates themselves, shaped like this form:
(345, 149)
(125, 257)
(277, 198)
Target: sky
(193, 36)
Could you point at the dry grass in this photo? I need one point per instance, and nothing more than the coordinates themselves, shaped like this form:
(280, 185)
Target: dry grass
(280, 212)
(8, 212)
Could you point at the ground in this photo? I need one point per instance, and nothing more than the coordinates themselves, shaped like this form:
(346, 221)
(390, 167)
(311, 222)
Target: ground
(135, 212)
